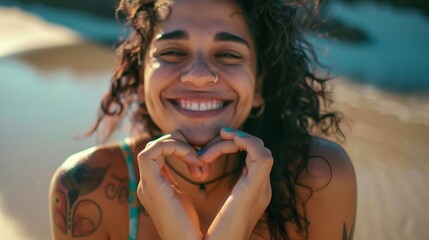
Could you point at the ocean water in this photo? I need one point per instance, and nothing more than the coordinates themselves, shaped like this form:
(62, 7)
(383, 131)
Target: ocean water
(396, 58)
(86, 25)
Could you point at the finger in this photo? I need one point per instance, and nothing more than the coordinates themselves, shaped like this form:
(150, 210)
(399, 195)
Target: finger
(199, 171)
(181, 150)
(218, 149)
(214, 140)
(167, 175)
(160, 148)
(205, 171)
(252, 145)
(256, 151)
(229, 133)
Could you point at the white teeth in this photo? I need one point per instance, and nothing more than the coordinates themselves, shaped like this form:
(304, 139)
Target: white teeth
(203, 107)
(200, 106)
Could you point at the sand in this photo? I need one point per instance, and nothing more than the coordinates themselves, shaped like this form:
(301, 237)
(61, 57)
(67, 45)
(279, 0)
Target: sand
(50, 91)
(388, 142)
(21, 32)
(9, 229)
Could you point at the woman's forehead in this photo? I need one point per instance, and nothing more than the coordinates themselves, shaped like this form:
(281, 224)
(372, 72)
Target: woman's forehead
(205, 15)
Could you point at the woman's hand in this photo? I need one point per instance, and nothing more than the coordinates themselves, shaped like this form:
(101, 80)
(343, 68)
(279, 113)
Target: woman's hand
(252, 193)
(172, 213)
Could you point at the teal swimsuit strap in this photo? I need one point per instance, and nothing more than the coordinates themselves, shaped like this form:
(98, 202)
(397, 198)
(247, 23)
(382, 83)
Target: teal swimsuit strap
(133, 201)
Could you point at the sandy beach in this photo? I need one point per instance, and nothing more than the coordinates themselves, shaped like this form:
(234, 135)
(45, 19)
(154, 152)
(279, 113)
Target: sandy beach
(51, 86)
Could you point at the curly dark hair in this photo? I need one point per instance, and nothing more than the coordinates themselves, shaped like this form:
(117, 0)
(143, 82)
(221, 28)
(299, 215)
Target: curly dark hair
(296, 98)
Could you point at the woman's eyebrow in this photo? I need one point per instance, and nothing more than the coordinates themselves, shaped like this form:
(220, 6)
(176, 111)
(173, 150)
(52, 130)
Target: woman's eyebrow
(219, 37)
(175, 35)
(224, 36)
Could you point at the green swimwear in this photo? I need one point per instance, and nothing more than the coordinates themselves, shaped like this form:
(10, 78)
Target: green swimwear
(132, 196)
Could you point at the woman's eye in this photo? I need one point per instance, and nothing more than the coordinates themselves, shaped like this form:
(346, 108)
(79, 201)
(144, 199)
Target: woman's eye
(172, 56)
(228, 58)
(228, 55)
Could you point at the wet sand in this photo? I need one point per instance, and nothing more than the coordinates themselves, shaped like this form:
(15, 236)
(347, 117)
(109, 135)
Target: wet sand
(21, 31)
(9, 229)
(50, 94)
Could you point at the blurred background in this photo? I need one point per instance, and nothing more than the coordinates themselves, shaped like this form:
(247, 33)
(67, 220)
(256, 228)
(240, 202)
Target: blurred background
(57, 57)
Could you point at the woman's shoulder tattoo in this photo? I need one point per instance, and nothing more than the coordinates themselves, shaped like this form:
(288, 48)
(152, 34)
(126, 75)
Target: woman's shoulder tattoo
(73, 213)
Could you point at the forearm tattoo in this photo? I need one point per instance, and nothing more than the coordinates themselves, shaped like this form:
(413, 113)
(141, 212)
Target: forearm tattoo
(72, 215)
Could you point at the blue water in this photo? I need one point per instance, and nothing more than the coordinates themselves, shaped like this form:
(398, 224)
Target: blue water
(397, 57)
(88, 26)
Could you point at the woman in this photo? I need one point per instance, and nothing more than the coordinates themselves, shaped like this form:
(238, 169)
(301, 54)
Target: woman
(223, 102)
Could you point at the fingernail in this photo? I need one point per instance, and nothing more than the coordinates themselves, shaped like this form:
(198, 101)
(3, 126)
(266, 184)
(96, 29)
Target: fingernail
(241, 134)
(228, 130)
(201, 151)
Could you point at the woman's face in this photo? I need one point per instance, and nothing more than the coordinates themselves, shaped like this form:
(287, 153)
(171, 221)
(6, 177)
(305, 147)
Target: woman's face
(201, 39)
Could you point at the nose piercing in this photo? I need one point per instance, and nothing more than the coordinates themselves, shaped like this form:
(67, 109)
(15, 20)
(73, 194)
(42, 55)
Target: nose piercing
(216, 78)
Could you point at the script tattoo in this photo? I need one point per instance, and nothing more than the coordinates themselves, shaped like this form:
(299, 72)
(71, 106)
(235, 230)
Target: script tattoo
(345, 235)
(117, 189)
(72, 215)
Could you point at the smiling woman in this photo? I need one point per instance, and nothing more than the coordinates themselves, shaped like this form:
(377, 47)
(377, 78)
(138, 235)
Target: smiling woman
(224, 104)
(189, 53)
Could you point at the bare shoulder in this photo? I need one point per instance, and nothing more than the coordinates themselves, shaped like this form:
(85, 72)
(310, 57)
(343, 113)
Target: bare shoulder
(79, 192)
(95, 162)
(330, 191)
(327, 155)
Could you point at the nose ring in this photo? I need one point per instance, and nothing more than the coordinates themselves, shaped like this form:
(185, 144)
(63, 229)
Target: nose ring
(216, 78)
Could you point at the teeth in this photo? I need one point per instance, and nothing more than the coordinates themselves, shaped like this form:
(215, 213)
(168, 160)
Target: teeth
(200, 106)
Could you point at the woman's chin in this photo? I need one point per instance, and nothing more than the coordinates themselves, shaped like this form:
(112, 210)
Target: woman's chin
(199, 139)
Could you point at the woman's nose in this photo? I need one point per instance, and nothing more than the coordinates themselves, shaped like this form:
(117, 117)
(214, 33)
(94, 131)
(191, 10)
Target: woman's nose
(199, 75)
